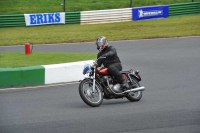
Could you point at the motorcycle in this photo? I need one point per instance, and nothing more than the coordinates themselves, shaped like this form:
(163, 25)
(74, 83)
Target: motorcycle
(99, 85)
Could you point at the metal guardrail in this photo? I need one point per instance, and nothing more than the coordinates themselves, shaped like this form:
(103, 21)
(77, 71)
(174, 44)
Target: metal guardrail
(184, 8)
(72, 18)
(88, 17)
(16, 20)
(106, 16)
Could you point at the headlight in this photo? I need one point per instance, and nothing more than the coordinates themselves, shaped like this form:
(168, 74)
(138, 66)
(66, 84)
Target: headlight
(86, 69)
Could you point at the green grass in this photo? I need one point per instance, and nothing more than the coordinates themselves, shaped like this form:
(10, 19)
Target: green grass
(19, 59)
(42, 6)
(170, 27)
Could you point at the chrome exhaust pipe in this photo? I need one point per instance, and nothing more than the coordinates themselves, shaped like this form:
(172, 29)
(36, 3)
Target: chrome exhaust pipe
(142, 88)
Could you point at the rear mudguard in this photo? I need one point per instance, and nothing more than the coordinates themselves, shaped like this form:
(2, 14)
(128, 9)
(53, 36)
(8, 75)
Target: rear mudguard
(136, 76)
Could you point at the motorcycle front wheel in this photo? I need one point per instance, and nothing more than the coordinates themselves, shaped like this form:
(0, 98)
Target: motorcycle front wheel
(93, 99)
(134, 96)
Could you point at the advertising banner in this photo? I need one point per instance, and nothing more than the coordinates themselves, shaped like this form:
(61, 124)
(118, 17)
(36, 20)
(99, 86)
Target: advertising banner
(150, 12)
(44, 18)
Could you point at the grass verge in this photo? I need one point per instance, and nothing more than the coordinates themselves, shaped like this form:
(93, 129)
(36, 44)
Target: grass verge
(42, 6)
(19, 59)
(170, 27)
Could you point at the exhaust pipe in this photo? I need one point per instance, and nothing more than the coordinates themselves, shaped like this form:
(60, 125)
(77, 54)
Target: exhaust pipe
(142, 88)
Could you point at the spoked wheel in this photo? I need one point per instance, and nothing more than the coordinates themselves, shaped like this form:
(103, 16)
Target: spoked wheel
(134, 96)
(93, 99)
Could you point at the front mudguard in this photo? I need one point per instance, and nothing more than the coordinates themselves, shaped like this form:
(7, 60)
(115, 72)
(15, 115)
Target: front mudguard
(86, 78)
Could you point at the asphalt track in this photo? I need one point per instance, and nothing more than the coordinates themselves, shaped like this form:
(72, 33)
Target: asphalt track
(170, 71)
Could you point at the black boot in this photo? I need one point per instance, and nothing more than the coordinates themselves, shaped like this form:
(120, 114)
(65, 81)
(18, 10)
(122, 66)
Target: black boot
(124, 85)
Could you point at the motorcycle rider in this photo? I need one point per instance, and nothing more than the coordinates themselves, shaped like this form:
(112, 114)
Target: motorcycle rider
(112, 61)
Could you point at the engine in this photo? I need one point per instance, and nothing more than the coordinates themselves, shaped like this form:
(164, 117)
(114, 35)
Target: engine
(117, 88)
(109, 81)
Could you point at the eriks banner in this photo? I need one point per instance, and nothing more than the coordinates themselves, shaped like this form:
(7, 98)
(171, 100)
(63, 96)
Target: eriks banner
(44, 18)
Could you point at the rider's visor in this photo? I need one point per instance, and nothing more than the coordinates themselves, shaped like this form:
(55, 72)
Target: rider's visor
(100, 44)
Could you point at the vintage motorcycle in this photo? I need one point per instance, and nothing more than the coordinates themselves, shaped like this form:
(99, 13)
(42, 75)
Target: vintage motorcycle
(99, 85)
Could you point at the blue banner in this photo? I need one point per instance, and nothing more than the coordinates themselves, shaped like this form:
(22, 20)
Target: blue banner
(150, 12)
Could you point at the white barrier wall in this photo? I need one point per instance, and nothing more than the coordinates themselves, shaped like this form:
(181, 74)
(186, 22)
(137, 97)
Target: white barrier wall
(67, 72)
(106, 16)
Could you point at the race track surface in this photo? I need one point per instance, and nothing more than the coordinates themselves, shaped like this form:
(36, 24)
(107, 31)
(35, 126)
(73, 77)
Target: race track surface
(170, 71)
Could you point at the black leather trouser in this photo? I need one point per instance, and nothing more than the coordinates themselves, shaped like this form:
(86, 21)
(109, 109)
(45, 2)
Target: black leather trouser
(114, 70)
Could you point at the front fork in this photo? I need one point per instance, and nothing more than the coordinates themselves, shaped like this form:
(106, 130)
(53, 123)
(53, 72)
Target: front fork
(94, 79)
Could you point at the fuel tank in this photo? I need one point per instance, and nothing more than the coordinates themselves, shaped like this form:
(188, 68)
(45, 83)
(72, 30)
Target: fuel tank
(102, 71)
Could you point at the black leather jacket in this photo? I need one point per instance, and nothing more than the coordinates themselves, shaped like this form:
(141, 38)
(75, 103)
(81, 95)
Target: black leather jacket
(111, 56)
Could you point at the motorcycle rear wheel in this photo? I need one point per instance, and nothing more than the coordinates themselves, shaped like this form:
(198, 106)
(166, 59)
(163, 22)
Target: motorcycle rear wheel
(93, 99)
(134, 96)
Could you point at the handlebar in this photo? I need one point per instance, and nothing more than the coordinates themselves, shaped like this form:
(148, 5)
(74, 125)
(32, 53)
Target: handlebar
(95, 63)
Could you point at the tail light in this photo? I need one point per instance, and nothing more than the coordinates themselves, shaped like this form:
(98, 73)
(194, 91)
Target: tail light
(137, 72)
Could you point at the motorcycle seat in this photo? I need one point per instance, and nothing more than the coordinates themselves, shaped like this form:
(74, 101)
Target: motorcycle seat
(125, 71)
